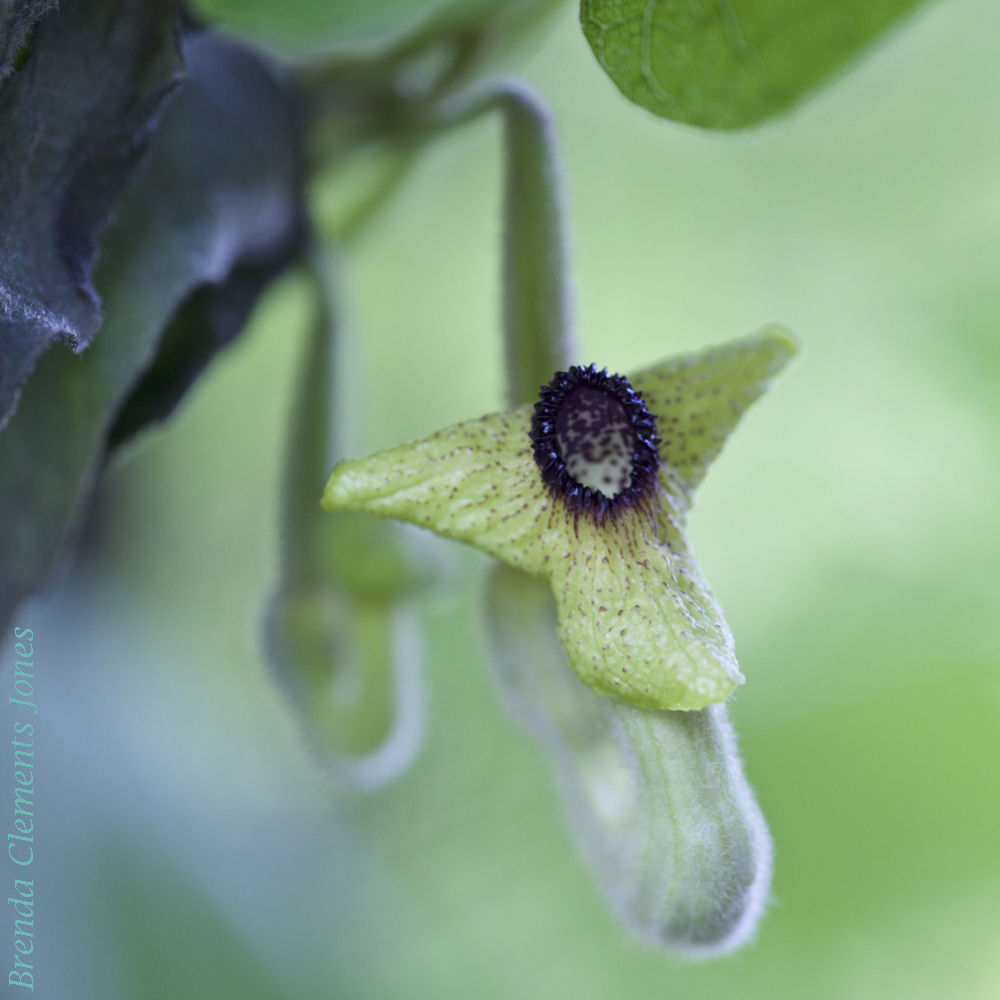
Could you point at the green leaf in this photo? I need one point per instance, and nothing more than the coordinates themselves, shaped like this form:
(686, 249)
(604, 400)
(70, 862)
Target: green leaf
(73, 124)
(218, 187)
(734, 63)
(17, 18)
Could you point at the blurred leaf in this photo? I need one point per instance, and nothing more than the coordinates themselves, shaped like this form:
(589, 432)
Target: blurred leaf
(333, 20)
(211, 318)
(17, 18)
(74, 120)
(735, 63)
(326, 24)
(219, 187)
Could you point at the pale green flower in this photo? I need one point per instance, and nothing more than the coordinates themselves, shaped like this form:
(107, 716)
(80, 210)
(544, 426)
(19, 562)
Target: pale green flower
(591, 512)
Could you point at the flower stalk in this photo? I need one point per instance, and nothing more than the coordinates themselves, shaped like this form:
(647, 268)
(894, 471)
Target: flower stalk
(537, 299)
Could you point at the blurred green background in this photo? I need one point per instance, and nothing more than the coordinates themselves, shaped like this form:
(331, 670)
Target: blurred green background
(187, 847)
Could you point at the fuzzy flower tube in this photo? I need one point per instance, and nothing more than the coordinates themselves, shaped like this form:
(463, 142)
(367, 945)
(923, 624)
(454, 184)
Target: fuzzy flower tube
(657, 800)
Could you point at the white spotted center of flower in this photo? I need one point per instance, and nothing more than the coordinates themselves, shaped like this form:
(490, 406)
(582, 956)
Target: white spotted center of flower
(596, 441)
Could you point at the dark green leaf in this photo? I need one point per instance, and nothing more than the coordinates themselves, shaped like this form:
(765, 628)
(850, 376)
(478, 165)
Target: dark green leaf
(734, 63)
(17, 17)
(73, 124)
(211, 318)
(220, 186)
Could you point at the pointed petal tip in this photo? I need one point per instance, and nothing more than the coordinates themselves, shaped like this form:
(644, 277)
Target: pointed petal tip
(666, 689)
(694, 698)
(785, 344)
(356, 483)
(335, 497)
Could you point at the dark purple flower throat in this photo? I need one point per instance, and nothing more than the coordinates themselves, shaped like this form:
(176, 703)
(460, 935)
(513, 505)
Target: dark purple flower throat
(595, 441)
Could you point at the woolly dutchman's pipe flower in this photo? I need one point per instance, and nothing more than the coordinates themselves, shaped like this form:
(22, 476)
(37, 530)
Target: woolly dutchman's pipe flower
(589, 488)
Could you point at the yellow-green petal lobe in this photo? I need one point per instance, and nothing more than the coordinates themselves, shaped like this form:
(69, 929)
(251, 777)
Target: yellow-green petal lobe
(698, 399)
(637, 620)
(476, 482)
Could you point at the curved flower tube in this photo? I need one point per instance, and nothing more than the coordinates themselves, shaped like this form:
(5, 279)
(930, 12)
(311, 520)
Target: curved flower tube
(657, 800)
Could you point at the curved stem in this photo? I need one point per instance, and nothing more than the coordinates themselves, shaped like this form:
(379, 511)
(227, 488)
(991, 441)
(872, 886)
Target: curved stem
(537, 315)
(316, 432)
